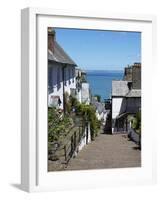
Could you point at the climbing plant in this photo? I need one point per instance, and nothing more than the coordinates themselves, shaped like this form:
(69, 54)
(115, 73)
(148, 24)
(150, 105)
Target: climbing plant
(71, 103)
(136, 122)
(88, 114)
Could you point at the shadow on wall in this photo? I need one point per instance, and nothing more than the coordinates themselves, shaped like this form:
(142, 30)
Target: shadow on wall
(108, 125)
(128, 106)
(55, 76)
(123, 106)
(133, 105)
(120, 124)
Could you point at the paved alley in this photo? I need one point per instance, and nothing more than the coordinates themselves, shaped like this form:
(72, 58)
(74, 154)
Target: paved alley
(107, 151)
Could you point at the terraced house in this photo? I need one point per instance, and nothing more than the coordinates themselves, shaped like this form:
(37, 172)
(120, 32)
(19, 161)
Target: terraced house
(67, 133)
(126, 98)
(61, 72)
(64, 76)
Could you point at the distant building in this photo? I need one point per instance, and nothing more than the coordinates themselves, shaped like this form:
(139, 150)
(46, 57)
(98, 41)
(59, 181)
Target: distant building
(132, 74)
(61, 72)
(101, 112)
(85, 97)
(82, 87)
(128, 73)
(126, 98)
(136, 76)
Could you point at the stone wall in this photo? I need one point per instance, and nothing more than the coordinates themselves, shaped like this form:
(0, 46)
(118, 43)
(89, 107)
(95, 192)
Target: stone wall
(128, 74)
(136, 77)
(133, 73)
(133, 135)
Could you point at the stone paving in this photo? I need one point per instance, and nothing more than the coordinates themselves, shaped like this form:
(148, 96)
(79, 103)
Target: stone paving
(107, 151)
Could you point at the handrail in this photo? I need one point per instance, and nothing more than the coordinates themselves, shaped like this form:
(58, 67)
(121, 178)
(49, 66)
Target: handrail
(66, 150)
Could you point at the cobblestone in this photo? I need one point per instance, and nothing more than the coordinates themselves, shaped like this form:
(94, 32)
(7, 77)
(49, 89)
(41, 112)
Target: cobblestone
(107, 151)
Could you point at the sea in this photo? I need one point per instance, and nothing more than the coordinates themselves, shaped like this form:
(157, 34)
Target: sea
(101, 81)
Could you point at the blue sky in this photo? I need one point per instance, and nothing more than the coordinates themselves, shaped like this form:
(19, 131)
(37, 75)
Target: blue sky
(100, 50)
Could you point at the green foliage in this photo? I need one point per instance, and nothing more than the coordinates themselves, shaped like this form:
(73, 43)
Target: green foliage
(58, 124)
(88, 114)
(70, 103)
(73, 101)
(136, 122)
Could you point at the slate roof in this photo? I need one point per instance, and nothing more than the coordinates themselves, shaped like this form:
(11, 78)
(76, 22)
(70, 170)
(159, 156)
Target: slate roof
(119, 88)
(134, 93)
(100, 108)
(60, 55)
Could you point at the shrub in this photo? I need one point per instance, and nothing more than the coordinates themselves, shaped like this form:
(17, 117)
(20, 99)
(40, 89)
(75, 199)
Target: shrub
(88, 114)
(67, 103)
(58, 124)
(136, 122)
(70, 103)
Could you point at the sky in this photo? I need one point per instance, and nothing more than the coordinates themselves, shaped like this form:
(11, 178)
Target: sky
(100, 50)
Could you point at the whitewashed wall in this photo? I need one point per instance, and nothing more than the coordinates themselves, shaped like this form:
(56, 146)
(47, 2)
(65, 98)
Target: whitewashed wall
(55, 81)
(86, 139)
(56, 88)
(118, 106)
(85, 93)
(104, 118)
(70, 81)
(79, 96)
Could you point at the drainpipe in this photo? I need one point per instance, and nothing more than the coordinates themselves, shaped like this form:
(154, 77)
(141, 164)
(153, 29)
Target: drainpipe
(64, 106)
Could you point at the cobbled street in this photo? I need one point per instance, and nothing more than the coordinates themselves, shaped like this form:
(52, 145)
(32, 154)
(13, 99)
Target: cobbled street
(107, 151)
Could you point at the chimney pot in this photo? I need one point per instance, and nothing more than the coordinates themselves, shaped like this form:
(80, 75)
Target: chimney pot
(51, 39)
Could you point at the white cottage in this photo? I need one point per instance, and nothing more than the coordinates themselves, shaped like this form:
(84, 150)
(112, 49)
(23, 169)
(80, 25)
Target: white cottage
(126, 98)
(101, 112)
(85, 97)
(61, 72)
(125, 102)
(82, 87)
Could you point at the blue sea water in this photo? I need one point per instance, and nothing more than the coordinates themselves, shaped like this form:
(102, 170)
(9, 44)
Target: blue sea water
(101, 81)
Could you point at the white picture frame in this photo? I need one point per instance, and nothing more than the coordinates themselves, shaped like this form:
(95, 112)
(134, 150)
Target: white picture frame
(33, 175)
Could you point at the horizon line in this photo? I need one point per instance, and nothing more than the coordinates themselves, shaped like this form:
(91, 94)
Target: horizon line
(103, 69)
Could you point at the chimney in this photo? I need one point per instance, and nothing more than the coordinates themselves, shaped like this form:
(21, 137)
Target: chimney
(51, 39)
(136, 76)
